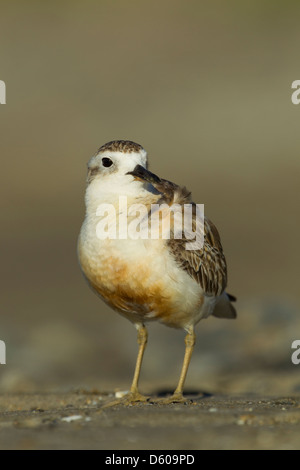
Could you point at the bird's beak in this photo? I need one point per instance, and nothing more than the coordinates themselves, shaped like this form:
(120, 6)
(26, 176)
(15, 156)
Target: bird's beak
(141, 174)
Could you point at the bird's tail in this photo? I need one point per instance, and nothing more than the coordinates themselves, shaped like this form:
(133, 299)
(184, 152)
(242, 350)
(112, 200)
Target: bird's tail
(224, 307)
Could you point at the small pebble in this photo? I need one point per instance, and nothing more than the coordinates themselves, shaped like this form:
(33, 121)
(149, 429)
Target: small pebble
(69, 419)
(121, 393)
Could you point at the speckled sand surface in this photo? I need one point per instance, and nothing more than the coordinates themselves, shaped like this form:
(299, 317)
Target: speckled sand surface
(77, 421)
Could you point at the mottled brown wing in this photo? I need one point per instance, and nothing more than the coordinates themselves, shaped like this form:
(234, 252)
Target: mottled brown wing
(170, 192)
(208, 265)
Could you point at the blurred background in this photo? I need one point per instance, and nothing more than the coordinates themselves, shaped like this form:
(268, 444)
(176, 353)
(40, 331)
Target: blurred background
(205, 87)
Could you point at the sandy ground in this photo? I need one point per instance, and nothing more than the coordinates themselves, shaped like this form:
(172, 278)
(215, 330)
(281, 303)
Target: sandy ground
(244, 388)
(78, 420)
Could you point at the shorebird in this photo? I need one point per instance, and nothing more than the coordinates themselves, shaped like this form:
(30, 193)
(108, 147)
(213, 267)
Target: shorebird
(149, 279)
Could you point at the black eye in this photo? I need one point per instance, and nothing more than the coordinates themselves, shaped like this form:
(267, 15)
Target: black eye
(107, 162)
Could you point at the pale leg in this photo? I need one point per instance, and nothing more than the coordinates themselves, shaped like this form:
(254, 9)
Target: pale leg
(142, 342)
(177, 396)
(189, 346)
(134, 396)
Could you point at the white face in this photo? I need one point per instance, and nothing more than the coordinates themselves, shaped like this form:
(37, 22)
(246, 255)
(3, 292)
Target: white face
(111, 164)
(107, 172)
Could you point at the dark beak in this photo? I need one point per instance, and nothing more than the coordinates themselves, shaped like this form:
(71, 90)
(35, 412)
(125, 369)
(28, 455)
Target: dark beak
(140, 173)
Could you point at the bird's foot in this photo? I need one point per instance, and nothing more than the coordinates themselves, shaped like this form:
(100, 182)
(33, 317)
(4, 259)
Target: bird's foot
(177, 397)
(130, 399)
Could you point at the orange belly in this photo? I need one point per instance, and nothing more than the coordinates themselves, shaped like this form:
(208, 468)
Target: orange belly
(129, 288)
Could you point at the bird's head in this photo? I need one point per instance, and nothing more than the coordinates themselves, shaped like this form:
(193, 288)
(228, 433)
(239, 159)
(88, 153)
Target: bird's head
(114, 160)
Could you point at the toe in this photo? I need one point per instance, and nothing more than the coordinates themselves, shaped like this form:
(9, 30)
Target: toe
(175, 398)
(131, 398)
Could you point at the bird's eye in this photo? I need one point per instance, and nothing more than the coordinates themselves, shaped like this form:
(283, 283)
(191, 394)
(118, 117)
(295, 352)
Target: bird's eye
(107, 162)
